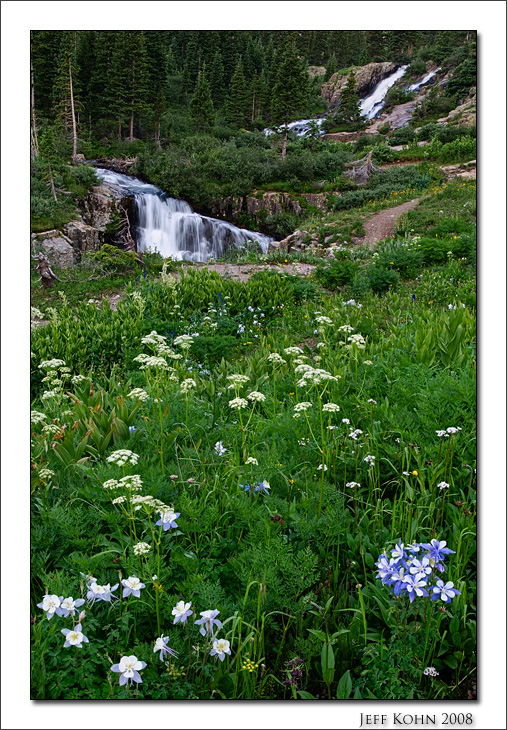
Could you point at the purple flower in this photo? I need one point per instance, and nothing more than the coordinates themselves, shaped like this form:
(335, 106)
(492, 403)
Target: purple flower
(420, 567)
(444, 591)
(129, 668)
(74, 637)
(208, 620)
(262, 487)
(415, 585)
(437, 550)
(385, 568)
(167, 519)
(132, 585)
(161, 645)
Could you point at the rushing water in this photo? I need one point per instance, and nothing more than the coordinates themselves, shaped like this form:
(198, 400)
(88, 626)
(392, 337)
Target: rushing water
(414, 87)
(171, 227)
(373, 103)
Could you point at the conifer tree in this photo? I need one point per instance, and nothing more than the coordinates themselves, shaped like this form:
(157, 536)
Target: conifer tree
(237, 102)
(291, 90)
(349, 111)
(216, 79)
(201, 104)
(65, 86)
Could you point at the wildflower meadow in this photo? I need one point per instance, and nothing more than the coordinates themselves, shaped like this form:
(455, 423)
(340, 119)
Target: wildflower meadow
(261, 489)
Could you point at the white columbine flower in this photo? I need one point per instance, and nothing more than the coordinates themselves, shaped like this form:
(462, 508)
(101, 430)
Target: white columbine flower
(74, 637)
(221, 647)
(69, 605)
(51, 604)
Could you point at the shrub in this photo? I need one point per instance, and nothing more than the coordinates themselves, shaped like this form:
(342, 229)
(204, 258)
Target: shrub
(113, 258)
(382, 279)
(336, 274)
(400, 257)
(404, 135)
(428, 131)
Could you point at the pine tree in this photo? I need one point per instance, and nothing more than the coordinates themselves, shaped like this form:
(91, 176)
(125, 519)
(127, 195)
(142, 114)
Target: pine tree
(64, 89)
(216, 79)
(349, 111)
(201, 104)
(291, 90)
(237, 107)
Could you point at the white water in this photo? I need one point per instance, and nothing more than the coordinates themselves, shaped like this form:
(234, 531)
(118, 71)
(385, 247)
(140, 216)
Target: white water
(171, 227)
(372, 104)
(300, 127)
(414, 87)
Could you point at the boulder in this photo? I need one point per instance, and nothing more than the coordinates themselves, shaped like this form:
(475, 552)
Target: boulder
(100, 207)
(57, 249)
(341, 136)
(367, 77)
(82, 237)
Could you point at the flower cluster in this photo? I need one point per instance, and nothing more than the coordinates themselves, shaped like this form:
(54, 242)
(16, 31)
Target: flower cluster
(331, 407)
(411, 568)
(138, 394)
(122, 457)
(237, 381)
(263, 486)
(141, 548)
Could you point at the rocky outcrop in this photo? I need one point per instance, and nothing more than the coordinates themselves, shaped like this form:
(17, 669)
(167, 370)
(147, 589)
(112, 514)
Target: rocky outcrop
(465, 113)
(260, 206)
(56, 247)
(367, 77)
(314, 71)
(341, 136)
(82, 237)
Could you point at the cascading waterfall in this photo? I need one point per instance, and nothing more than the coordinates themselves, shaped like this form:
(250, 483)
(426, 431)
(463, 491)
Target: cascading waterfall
(414, 87)
(373, 103)
(171, 227)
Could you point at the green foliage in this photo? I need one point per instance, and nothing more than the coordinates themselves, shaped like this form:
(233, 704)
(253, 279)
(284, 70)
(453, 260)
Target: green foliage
(382, 279)
(403, 135)
(114, 259)
(336, 274)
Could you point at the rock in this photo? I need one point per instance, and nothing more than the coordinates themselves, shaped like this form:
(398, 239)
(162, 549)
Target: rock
(341, 136)
(102, 206)
(314, 71)
(57, 249)
(367, 77)
(82, 237)
(328, 239)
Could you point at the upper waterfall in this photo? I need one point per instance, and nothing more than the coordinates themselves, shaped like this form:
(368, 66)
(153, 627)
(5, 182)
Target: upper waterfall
(373, 103)
(172, 228)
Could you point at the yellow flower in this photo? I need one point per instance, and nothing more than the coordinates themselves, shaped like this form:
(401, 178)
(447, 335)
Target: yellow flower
(415, 473)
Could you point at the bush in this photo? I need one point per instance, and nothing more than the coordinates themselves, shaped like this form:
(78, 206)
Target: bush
(400, 257)
(404, 135)
(281, 225)
(428, 131)
(336, 274)
(382, 279)
(113, 258)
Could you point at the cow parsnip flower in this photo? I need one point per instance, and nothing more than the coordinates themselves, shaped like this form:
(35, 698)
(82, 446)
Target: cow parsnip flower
(122, 457)
(141, 548)
(238, 403)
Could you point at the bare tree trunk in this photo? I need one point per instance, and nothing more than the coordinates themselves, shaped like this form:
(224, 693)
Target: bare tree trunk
(52, 182)
(157, 136)
(48, 277)
(284, 146)
(74, 131)
(131, 134)
(119, 128)
(35, 141)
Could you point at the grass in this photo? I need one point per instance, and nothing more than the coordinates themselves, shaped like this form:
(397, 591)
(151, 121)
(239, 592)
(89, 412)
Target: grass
(285, 551)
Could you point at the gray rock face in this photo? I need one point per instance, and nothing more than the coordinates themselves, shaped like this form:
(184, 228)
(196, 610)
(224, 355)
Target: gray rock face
(59, 252)
(367, 77)
(82, 237)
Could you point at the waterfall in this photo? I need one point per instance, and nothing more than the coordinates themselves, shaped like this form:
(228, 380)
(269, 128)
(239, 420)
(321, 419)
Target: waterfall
(414, 87)
(373, 103)
(171, 227)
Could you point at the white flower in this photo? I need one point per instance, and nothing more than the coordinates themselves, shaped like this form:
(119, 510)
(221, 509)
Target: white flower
(331, 407)
(355, 434)
(367, 362)
(323, 320)
(452, 429)
(153, 338)
(431, 672)
(301, 408)
(320, 344)
(251, 460)
(441, 433)
(184, 341)
(238, 403)
(187, 385)
(154, 362)
(119, 500)
(370, 459)
(141, 548)
(46, 473)
(237, 381)
(139, 394)
(122, 457)
(36, 417)
(256, 397)
(219, 448)
(74, 637)
(221, 647)
(346, 420)
(370, 400)
(443, 485)
(77, 379)
(51, 605)
(293, 350)
(276, 359)
(351, 485)
(322, 466)
(51, 364)
(345, 328)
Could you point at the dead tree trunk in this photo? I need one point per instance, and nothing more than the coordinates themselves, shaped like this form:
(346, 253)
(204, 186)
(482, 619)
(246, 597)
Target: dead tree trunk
(361, 169)
(74, 130)
(47, 276)
(35, 142)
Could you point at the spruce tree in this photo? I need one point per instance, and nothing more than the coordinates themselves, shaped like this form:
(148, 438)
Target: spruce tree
(291, 90)
(237, 106)
(201, 104)
(349, 111)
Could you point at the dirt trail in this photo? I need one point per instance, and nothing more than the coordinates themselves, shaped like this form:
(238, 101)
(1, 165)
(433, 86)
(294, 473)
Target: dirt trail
(383, 224)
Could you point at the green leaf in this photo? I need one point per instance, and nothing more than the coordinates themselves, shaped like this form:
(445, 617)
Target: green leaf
(344, 688)
(451, 662)
(319, 634)
(305, 695)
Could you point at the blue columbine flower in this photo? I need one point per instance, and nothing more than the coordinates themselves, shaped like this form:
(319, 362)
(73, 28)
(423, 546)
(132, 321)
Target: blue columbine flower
(132, 585)
(208, 620)
(437, 550)
(445, 591)
(161, 645)
(168, 519)
(415, 585)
